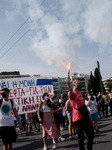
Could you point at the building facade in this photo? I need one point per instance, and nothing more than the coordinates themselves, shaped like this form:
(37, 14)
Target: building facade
(105, 82)
(60, 84)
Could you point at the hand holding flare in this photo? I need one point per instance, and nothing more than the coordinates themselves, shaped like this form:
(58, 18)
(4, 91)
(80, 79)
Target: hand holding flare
(68, 77)
(68, 69)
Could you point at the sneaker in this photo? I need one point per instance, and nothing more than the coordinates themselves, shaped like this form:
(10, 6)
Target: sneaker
(61, 128)
(59, 139)
(62, 139)
(75, 135)
(45, 147)
(54, 146)
(70, 137)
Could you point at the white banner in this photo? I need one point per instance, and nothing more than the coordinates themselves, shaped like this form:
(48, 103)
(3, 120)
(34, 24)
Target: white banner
(27, 92)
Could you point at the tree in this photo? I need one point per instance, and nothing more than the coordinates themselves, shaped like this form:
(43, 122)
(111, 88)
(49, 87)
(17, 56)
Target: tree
(91, 82)
(95, 82)
(109, 85)
(97, 86)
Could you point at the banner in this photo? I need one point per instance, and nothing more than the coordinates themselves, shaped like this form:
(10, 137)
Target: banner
(27, 92)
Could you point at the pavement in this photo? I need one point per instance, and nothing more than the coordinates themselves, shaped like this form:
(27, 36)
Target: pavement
(102, 141)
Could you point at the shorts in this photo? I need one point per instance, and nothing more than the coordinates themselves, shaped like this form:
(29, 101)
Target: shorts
(69, 114)
(28, 120)
(8, 134)
(94, 116)
(58, 118)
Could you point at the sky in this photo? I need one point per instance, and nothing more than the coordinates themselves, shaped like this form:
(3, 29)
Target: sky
(43, 36)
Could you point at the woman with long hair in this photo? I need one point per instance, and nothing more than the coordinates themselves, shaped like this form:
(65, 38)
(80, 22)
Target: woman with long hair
(69, 109)
(92, 106)
(48, 126)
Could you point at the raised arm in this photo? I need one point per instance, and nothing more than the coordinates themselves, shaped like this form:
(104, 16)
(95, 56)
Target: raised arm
(38, 114)
(88, 104)
(70, 89)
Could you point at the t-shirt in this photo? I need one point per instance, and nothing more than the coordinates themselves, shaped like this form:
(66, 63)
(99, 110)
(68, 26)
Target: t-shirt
(76, 100)
(6, 116)
(92, 108)
(56, 106)
(45, 108)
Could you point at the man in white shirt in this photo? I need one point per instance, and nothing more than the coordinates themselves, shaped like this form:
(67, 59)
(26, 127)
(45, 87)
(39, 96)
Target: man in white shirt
(7, 128)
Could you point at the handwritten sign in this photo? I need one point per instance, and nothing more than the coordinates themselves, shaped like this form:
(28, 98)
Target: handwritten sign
(27, 92)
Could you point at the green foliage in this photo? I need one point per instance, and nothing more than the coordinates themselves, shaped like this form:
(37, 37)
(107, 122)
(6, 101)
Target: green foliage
(95, 82)
(91, 82)
(97, 76)
(109, 85)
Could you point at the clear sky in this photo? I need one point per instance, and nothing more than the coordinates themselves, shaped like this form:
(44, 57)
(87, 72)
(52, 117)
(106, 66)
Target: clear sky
(41, 36)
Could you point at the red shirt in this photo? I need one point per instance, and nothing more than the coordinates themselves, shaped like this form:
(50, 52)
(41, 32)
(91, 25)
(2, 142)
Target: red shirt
(76, 100)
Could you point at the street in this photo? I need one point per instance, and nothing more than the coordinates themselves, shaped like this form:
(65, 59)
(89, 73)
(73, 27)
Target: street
(34, 141)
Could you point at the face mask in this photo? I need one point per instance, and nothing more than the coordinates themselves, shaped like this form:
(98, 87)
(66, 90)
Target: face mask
(46, 98)
(4, 95)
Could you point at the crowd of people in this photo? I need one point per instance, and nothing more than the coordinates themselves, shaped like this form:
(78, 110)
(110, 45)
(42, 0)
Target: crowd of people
(54, 115)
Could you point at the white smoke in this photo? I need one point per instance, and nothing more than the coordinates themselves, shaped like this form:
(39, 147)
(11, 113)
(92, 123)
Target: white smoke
(59, 42)
(58, 36)
(98, 24)
(56, 40)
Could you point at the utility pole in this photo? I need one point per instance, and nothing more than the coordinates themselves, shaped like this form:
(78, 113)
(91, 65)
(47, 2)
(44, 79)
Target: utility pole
(100, 78)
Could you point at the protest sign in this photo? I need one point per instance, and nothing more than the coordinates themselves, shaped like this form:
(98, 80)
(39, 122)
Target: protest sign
(27, 92)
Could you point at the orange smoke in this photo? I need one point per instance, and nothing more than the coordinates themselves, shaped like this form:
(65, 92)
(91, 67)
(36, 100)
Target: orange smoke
(68, 66)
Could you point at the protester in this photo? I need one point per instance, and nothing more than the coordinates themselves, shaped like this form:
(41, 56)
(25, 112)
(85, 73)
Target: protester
(110, 103)
(48, 126)
(100, 109)
(69, 109)
(106, 103)
(7, 127)
(57, 110)
(92, 106)
(23, 121)
(101, 101)
(64, 115)
(82, 124)
(36, 121)
(28, 123)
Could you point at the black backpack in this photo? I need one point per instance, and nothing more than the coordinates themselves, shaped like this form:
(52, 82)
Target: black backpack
(1, 100)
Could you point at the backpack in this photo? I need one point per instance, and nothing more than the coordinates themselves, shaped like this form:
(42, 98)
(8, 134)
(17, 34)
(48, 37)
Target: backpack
(1, 100)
